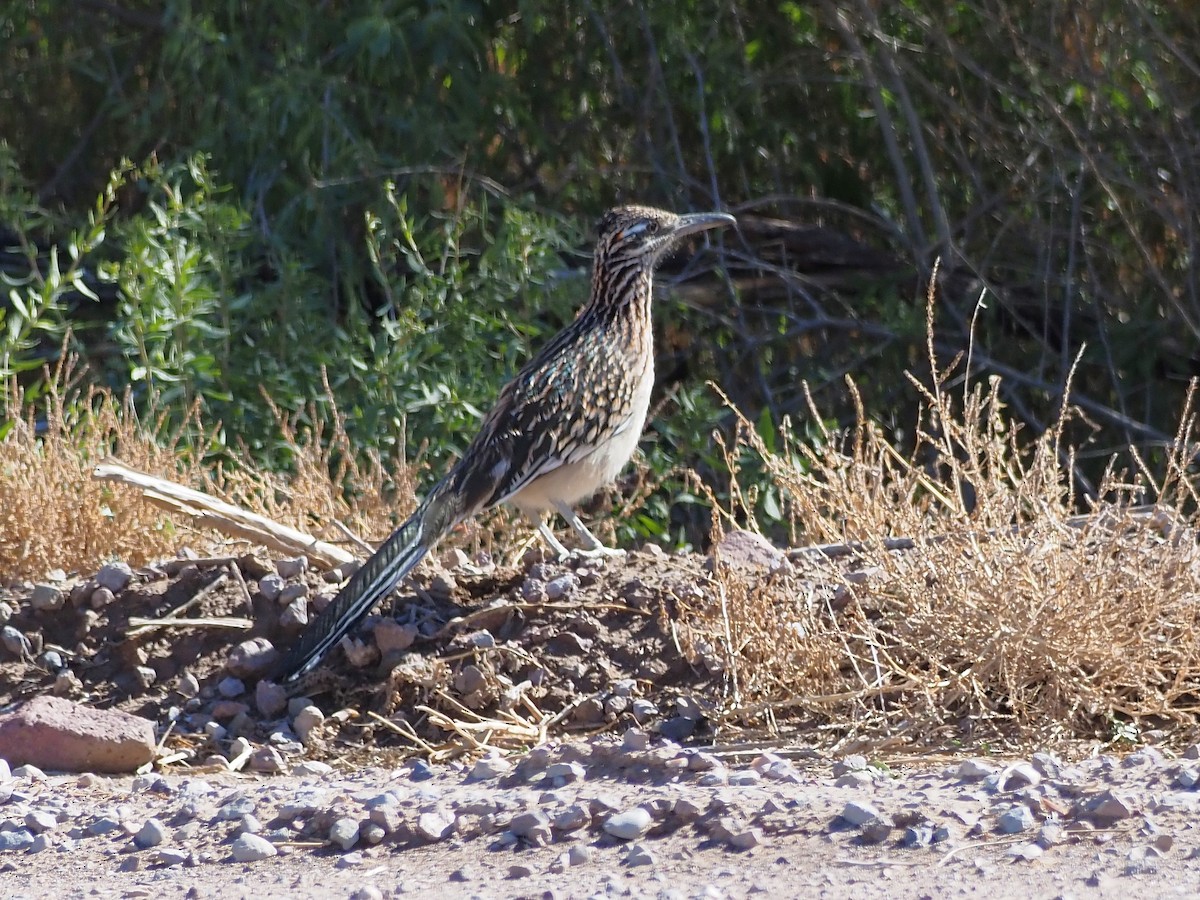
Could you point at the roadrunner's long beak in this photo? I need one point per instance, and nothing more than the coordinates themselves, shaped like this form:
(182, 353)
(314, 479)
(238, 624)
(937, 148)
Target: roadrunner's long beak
(693, 222)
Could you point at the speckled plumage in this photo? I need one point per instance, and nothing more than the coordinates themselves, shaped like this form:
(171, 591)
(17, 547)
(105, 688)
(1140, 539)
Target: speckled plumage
(560, 430)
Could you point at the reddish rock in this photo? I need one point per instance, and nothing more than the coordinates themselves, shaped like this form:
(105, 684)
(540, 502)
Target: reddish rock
(54, 733)
(747, 551)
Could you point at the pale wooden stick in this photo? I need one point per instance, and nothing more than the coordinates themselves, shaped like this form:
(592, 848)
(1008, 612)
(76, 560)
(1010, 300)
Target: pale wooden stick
(209, 512)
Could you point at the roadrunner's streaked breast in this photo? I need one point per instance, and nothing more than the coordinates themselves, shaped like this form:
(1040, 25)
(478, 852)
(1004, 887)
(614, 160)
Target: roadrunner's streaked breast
(560, 430)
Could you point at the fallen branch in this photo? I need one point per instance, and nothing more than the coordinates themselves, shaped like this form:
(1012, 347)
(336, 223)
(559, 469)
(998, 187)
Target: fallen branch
(209, 512)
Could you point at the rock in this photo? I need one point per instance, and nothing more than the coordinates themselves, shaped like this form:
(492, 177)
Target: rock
(187, 685)
(875, 831)
(747, 551)
(564, 773)
(252, 658)
(101, 598)
(251, 848)
(271, 586)
(270, 698)
(677, 729)
(230, 687)
(746, 839)
(267, 760)
(562, 586)
(392, 637)
(628, 825)
(434, 826)
(40, 820)
(292, 568)
(1104, 809)
(572, 818)
(171, 856)
(1026, 852)
(643, 711)
(15, 642)
(1187, 777)
(294, 617)
(54, 733)
(490, 767)
(975, 769)
(46, 598)
(344, 833)
(855, 762)
(579, 855)
(18, 839)
(305, 721)
(589, 712)
(151, 834)
(635, 739)
(639, 855)
(527, 824)
(291, 594)
(1015, 819)
(859, 812)
(115, 576)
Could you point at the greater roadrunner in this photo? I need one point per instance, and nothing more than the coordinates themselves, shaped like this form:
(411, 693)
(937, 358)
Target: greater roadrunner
(561, 430)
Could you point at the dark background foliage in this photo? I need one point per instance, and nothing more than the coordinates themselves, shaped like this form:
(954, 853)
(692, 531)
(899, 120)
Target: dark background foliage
(400, 193)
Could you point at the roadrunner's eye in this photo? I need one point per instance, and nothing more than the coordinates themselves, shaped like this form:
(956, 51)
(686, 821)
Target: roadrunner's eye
(651, 227)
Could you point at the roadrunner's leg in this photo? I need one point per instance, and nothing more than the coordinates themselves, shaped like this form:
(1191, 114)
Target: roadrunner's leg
(592, 544)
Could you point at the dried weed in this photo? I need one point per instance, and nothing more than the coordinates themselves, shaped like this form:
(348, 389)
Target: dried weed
(1012, 620)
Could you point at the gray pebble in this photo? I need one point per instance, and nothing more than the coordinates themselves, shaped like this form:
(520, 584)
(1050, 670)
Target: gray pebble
(187, 685)
(171, 856)
(344, 833)
(18, 839)
(743, 778)
(101, 597)
(859, 812)
(628, 825)
(40, 820)
(562, 586)
(103, 825)
(579, 855)
(271, 586)
(434, 826)
(643, 711)
(371, 833)
(151, 834)
(230, 687)
(975, 769)
(115, 576)
(270, 698)
(572, 818)
(490, 767)
(251, 848)
(46, 598)
(249, 824)
(527, 822)
(639, 855)
(15, 642)
(291, 594)
(1015, 819)
(562, 773)
(306, 720)
(292, 568)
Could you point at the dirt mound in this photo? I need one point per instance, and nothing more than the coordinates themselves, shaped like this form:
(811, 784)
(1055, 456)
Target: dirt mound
(470, 654)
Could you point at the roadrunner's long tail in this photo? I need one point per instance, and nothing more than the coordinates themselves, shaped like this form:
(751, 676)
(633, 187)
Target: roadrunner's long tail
(398, 555)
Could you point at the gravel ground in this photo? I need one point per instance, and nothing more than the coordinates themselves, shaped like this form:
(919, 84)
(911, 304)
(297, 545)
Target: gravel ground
(637, 816)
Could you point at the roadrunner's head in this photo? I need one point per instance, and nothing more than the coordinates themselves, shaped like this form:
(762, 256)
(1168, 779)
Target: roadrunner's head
(641, 235)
